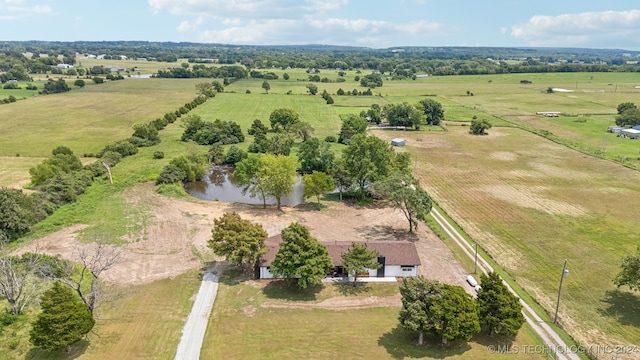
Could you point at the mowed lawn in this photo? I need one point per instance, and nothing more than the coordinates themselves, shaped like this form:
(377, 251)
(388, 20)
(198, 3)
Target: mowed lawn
(138, 322)
(258, 321)
(531, 204)
(244, 108)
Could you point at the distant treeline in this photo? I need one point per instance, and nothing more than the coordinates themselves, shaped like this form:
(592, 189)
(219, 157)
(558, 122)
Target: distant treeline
(406, 61)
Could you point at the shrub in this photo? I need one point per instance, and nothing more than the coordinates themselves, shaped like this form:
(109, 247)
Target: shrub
(124, 147)
(330, 139)
(11, 86)
(158, 155)
(171, 174)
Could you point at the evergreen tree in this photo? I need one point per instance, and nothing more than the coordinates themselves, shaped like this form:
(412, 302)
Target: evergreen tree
(500, 311)
(358, 258)
(63, 321)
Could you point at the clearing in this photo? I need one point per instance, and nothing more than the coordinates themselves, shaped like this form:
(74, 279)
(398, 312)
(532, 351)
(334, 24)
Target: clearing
(177, 231)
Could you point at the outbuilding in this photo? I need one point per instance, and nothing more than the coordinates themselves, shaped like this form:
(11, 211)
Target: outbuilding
(398, 142)
(630, 133)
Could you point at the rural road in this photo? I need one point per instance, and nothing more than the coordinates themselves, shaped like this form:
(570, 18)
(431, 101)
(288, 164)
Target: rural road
(194, 329)
(548, 335)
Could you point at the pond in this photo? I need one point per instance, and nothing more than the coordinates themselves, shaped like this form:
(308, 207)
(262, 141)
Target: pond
(219, 185)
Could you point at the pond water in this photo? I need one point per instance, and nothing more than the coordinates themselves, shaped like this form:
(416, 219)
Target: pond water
(219, 185)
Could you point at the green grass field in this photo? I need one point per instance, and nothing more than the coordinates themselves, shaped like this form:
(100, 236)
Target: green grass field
(142, 322)
(246, 324)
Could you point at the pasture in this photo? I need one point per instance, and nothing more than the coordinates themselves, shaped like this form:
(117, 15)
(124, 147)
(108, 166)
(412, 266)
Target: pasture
(531, 204)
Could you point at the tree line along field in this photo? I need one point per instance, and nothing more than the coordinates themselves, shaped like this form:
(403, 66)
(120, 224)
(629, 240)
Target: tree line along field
(553, 203)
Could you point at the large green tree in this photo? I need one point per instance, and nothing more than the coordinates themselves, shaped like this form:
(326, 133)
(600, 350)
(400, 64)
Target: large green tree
(367, 159)
(629, 117)
(63, 321)
(403, 115)
(316, 184)
(444, 310)
(359, 258)
(630, 272)
(246, 175)
(283, 118)
(432, 110)
(15, 216)
(315, 156)
(62, 160)
(500, 311)
(479, 127)
(352, 124)
(455, 314)
(239, 240)
(622, 107)
(301, 258)
(341, 176)
(277, 175)
(418, 296)
(405, 194)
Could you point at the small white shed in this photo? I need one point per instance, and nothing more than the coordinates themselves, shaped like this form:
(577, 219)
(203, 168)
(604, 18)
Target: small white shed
(398, 142)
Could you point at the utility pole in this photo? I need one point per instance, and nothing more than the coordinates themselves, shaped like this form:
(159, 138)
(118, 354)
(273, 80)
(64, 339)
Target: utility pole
(475, 262)
(565, 272)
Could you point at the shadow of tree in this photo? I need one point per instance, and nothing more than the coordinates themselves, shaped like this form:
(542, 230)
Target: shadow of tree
(497, 340)
(287, 290)
(386, 233)
(347, 288)
(233, 276)
(401, 343)
(77, 350)
(623, 305)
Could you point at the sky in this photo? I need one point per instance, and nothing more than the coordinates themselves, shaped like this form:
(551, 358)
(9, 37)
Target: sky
(369, 23)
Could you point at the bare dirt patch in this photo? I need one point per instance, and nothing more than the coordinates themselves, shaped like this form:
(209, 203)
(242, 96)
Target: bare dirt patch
(341, 303)
(178, 229)
(532, 197)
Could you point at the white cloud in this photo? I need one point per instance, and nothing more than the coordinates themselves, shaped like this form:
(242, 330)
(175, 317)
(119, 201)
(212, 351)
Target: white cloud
(192, 25)
(17, 9)
(580, 29)
(287, 22)
(310, 30)
(246, 8)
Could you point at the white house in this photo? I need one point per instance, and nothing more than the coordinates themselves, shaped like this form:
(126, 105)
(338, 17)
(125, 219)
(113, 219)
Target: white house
(398, 258)
(64, 66)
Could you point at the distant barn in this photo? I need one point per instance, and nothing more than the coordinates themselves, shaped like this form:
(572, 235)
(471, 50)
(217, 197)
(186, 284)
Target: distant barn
(398, 142)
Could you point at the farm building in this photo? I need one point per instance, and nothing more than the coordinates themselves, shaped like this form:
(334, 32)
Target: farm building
(64, 66)
(630, 133)
(398, 258)
(615, 129)
(398, 142)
